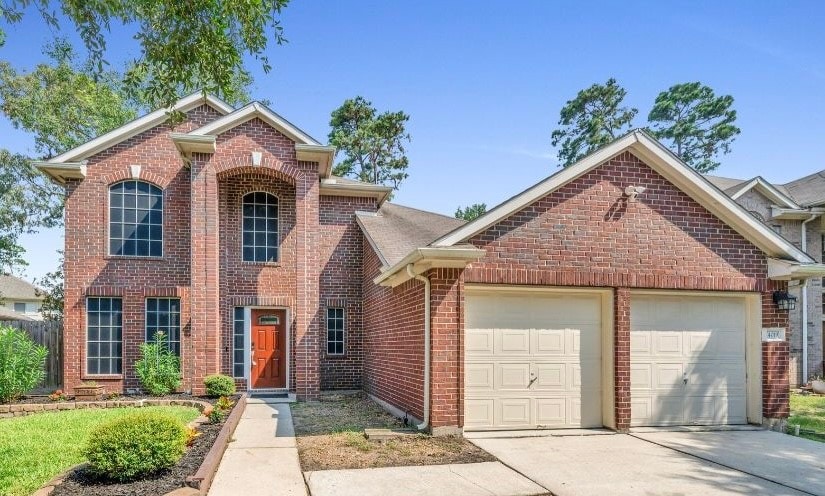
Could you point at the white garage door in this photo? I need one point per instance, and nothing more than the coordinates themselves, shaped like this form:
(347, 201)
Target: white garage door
(687, 360)
(532, 360)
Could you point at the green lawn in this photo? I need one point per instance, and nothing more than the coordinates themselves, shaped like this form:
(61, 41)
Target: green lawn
(36, 448)
(808, 412)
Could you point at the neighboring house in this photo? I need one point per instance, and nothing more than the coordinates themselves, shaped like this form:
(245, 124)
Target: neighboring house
(20, 299)
(796, 210)
(623, 290)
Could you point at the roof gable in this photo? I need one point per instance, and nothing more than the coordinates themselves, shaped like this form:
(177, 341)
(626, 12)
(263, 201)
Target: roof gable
(249, 112)
(767, 190)
(138, 126)
(660, 159)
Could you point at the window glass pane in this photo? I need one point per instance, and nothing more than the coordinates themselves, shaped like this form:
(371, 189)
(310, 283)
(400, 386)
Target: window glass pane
(238, 346)
(335, 331)
(103, 335)
(260, 233)
(163, 314)
(135, 219)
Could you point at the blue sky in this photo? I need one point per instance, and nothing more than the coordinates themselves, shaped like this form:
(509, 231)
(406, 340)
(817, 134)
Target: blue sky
(483, 82)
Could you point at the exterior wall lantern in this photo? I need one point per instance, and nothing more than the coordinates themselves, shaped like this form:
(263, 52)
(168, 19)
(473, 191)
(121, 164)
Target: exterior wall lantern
(784, 301)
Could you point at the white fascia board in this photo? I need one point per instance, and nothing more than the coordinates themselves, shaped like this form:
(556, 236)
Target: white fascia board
(189, 143)
(779, 213)
(535, 192)
(767, 189)
(784, 270)
(256, 109)
(138, 126)
(380, 193)
(322, 154)
(64, 171)
(663, 161)
(426, 258)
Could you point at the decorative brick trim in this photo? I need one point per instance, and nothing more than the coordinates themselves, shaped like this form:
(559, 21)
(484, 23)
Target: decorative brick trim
(269, 167)
(261, 301)
(125, 173)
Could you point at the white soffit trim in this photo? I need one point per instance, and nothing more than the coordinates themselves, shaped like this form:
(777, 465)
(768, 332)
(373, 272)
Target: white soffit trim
(767, 189)
(62, 172)
(660, 159)
(140, 125)
(256, 109)
(783, 270)
(330, 188)
(426, 258)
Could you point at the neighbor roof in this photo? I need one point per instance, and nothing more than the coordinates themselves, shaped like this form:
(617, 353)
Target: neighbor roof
(14, 288)
(663, 161)
(395, 230)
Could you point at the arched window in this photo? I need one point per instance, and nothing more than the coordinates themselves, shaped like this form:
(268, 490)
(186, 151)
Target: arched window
(260, 227)
(135, 219)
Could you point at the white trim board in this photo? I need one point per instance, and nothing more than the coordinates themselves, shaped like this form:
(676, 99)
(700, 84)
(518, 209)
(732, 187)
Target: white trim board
(666, 164)
(140, 125)
(768, 190)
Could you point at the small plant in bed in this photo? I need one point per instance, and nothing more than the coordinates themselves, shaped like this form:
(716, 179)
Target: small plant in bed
(22, 363)
(219, 385)
(159, 367)
(136, 445)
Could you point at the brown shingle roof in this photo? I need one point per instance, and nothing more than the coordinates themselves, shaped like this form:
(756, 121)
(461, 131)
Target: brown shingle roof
(396, 230)
(12, 287)
(726, 183)
(809, 190)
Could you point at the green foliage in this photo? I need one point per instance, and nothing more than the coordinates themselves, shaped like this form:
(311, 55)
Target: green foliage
(61, 106)
(373, 143)
(22, 363)
(184, 46)
(137, 444)
(159, 367)
(698, 124)
(591, 120)
(471, 212)
(224, 403)
(219, 385)
(51, 289)
(36, 448)
(221, 410)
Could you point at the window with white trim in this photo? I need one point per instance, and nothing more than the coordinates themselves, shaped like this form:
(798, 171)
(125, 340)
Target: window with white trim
(104, 335)
(163, 314)
(260, 227)
(135, 219)
(335, 331)
(238, 347)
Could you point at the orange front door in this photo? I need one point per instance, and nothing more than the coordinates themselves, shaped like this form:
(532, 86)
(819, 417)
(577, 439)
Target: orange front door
(268, 349)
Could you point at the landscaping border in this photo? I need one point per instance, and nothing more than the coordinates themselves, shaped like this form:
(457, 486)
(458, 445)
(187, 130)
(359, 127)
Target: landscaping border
(202, 479)
(22, 409)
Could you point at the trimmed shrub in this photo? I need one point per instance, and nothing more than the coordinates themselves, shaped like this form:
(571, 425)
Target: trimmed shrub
(22, 363)
(135, 445)
(219, 385)
(159, 367)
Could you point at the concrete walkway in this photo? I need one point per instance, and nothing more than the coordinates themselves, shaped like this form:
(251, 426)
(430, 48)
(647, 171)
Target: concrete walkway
(263, 458)
(469, 479)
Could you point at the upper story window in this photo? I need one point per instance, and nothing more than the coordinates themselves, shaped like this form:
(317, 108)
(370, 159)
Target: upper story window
(260, 227)
(135, 219)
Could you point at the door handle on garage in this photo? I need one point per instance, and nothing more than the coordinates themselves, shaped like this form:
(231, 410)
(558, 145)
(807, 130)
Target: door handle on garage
(684, 378)
(532, 380)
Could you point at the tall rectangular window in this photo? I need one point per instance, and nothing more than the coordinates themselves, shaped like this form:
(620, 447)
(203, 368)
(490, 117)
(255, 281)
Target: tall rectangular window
(104, 335)
(335, 331)
(238, 347)
(163, 314)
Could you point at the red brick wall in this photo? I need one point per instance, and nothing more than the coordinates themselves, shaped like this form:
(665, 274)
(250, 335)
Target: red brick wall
(775, 361)
(621, 358)
(341, 286)
(90, 271)
(393, 339)
(447, 341)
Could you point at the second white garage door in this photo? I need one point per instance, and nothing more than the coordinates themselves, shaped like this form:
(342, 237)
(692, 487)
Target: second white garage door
(687, 360)
(532, 360)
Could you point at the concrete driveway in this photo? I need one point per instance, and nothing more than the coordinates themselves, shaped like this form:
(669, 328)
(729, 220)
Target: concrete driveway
(659, 462)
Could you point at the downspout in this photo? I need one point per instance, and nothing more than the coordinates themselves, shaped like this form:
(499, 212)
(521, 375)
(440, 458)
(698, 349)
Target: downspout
(804, 290)
(426, 420)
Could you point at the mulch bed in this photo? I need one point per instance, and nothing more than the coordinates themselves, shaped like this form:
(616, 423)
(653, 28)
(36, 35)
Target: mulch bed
(84, 483)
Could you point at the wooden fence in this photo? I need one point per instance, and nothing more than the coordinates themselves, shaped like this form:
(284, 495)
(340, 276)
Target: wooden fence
(50, 335)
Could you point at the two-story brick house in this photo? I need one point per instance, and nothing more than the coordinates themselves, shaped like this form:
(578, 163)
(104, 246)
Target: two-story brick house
(794, 210)
(623, 290)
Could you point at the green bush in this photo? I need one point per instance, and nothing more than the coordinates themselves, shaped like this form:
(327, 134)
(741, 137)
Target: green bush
(219, 385)
(22, 363)
(159, 367)
(135, 445)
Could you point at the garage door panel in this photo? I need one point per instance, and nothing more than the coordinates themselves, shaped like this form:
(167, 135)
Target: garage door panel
(695, 370)
(480, 376)
(539, 348)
